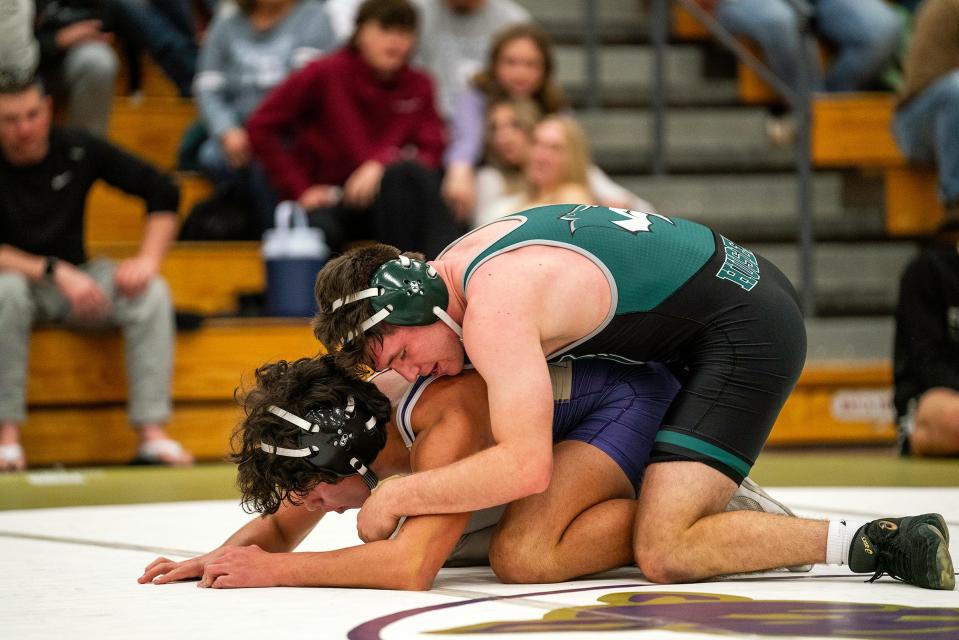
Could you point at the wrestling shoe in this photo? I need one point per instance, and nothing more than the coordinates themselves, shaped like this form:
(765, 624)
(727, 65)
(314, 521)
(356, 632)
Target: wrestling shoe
(751, 497)
(913, 550)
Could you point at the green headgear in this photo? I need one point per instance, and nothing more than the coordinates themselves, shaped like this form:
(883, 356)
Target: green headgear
(406, 292)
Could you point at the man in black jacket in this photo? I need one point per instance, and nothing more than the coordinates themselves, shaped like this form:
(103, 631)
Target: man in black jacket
(45, 176)
(927, 348)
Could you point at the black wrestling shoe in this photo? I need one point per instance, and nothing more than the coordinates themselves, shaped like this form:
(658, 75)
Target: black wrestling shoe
(913, 550)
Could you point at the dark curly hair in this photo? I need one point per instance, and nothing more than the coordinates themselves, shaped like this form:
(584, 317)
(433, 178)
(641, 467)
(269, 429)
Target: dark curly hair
(341, 276)
(265, 480)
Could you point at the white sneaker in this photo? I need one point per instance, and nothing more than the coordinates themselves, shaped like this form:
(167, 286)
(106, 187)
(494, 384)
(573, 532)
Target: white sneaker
(751, 497)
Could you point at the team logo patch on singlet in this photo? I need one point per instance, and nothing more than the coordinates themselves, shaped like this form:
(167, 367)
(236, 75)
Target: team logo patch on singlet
(740, 265)
(588, 215)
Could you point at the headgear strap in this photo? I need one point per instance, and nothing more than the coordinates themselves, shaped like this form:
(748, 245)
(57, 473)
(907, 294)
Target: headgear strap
(339, 438)
(407, 292)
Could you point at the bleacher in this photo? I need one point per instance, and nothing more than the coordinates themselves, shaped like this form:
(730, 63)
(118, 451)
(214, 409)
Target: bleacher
(722, 172)
(76, 389)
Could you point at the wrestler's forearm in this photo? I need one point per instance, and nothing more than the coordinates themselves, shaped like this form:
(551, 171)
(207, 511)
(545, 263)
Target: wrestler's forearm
(498, 475)
(278, 532)
(408, 562)
(369, 566)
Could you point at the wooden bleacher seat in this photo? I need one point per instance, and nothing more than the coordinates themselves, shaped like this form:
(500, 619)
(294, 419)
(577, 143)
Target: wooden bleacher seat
(151, 127)
(114, 217)
(154, 82)
(838, 403)
(912, 201)
(685, 26)
(854, 130)
(76, 393)
(76, 388)
(205, 277)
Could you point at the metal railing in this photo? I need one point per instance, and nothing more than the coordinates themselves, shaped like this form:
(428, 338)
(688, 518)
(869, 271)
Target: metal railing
(798, 99)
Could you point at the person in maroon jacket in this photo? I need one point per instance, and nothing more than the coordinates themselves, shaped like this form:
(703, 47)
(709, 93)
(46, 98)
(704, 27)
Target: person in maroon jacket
(356, 139)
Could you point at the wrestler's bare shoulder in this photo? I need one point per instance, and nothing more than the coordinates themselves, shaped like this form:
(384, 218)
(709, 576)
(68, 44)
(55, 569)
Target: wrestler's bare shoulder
(536, 260)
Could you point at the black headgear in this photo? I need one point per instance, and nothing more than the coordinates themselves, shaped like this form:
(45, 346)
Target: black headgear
(336, 440)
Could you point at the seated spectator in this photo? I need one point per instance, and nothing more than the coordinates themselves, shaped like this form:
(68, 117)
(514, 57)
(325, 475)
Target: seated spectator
(455, 38)
(520, 66)
(164, 28)
(18, 47)
(865, 35)
(556, 170)
(45, 275)
(510, 126)
(246, 54)
(926, 124)
(355, 138)
(76, 59)
(926, 367)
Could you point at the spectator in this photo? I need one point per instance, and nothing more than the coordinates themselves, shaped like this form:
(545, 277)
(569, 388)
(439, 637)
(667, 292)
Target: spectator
(926, 124)
(77, 60)
(18, 47)
(166, 29)
(360, 122)
(520, 66)
(556, 170)
(927, 349)
(864, 33)
(245, 55)
(501, 183)
(45, 176)
(455, 37)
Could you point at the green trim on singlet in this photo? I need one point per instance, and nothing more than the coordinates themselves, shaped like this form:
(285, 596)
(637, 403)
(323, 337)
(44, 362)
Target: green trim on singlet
(646, 256)
(732, 461)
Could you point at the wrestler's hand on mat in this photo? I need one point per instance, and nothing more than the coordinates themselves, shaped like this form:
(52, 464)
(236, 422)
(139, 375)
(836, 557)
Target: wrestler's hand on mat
(164, 570)
(241, 567)
(133, 275)
(376, 520)
(87, 299)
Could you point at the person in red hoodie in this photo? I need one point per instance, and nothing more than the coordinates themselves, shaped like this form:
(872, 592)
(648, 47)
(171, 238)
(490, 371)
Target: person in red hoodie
(355, 137)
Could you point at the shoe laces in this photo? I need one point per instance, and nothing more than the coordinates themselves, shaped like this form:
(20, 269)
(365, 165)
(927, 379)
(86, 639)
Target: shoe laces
(893, 560)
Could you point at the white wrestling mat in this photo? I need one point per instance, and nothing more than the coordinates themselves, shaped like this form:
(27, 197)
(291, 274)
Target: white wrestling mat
(71, 573)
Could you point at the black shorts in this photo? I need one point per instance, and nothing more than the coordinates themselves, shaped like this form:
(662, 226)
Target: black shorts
(739, 367)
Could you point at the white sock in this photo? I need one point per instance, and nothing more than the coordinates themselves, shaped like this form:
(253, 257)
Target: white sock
(839, 538)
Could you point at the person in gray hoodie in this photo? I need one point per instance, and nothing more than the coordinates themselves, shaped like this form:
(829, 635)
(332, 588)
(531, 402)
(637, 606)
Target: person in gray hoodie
(248, 51)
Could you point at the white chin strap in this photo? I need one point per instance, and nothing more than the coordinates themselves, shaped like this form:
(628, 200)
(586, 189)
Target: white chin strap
(369, 477)
(384, 313)
(448, 321)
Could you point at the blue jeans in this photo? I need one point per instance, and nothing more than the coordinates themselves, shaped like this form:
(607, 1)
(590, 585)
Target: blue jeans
(250, 180)
(865, 33)
(165, 29)
(927, 131)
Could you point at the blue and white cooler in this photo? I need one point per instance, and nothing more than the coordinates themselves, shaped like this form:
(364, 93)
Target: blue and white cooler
(293, 253)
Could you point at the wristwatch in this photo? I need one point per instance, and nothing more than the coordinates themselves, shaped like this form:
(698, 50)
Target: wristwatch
(50, 267)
